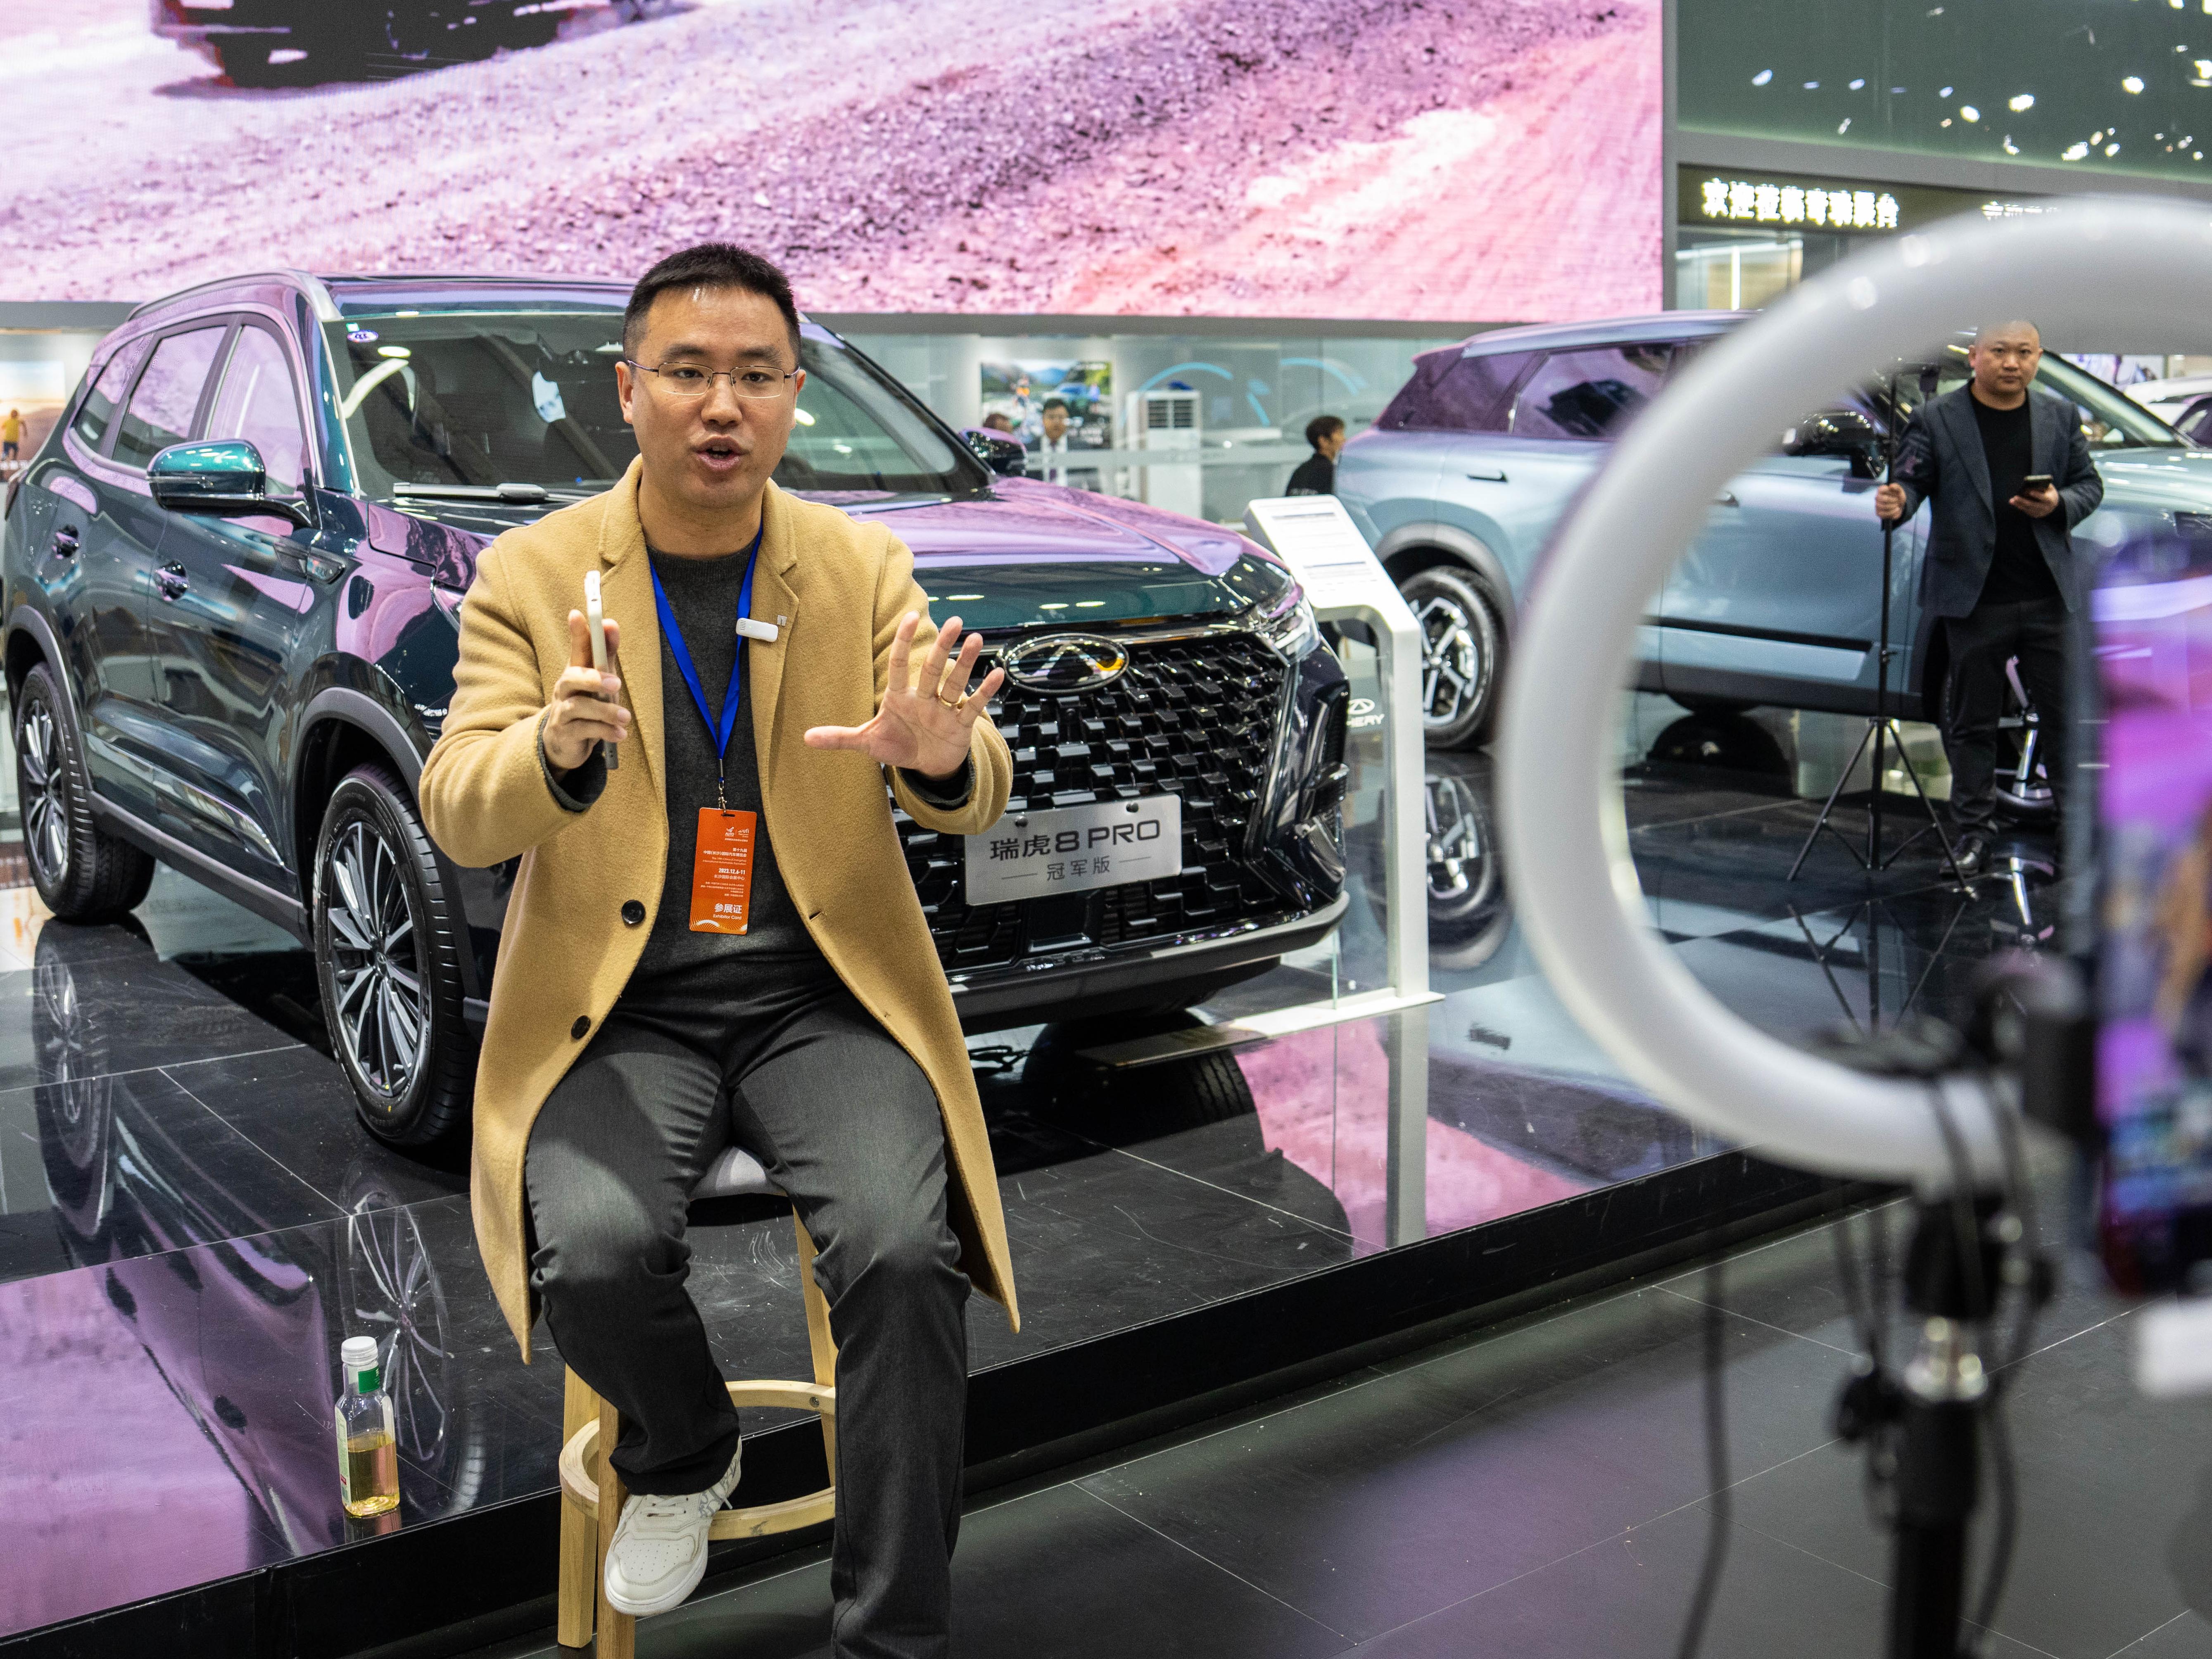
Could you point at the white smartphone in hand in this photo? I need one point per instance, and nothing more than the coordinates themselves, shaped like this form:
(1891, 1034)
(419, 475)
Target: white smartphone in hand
(595, 623)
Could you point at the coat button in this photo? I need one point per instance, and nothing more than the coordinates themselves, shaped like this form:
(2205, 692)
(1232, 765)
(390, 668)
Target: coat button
(583, 1024)
(632, 913)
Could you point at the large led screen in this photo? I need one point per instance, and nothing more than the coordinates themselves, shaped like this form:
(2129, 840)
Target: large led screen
(1462, 161)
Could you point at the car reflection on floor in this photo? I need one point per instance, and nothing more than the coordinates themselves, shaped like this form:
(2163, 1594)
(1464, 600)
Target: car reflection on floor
(212, 1298)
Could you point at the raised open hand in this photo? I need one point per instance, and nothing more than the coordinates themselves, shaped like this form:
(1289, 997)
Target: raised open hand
(925, 719)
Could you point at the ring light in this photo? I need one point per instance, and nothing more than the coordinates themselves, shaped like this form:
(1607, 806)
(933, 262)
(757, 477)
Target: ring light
(2085, 264)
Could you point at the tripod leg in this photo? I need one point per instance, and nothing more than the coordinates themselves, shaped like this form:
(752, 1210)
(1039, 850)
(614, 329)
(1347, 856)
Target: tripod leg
(1928, 1586)
(1933, 822)
(1828, 805)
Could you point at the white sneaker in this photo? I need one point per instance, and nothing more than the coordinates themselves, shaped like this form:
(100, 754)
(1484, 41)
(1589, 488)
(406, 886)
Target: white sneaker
(659, 1552)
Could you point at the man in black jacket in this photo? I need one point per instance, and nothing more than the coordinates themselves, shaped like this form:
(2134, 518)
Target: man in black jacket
(1316, 474)
(2001, 569)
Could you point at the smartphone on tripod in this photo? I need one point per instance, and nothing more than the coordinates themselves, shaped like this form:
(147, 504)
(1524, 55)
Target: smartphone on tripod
(2152, 615)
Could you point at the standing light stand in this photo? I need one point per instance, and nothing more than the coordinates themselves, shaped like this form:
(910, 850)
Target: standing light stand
(1930, 1420)
(1881, 728)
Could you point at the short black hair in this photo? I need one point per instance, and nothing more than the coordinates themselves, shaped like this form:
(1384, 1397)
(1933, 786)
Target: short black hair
(1060, 403)
(1322, 426)
(711, 264)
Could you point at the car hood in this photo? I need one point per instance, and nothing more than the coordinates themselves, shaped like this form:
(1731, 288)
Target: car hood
(1026, 555)
(2145, 487)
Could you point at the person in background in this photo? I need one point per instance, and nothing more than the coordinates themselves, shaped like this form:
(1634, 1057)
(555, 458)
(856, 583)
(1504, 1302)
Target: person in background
(997, 421)
(2001, 569)
(1316, 474)
(1052, 450)
(11, 436)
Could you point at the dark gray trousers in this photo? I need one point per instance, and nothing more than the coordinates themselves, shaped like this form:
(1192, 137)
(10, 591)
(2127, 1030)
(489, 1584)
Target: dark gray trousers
(848, 1125)
(2034, 631)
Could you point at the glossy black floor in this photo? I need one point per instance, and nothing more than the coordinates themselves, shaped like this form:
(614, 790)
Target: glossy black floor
(190, 1219)
(1541, 1491)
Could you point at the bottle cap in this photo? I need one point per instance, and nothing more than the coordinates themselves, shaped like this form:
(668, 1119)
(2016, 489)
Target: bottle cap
(358, 1351)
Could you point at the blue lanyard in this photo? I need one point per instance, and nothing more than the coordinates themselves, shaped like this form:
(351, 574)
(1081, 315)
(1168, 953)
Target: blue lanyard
(674, 634)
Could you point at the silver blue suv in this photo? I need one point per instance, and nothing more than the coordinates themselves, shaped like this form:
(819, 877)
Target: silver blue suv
(1463, 478)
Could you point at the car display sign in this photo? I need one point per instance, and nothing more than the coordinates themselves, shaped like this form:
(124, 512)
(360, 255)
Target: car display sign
(1068, 849)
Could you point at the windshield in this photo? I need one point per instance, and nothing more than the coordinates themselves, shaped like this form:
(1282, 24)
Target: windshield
(476, 399)
(2110, 419)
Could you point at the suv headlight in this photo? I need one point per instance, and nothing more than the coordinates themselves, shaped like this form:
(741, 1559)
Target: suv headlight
(1290, 627)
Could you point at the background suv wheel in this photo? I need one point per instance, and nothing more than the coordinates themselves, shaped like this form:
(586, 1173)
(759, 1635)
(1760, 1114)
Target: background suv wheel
(388, 956)
(2023, 786)
(1462, 665)
(82, 872)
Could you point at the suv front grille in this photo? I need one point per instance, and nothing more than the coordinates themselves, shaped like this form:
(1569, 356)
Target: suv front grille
(1193, 717)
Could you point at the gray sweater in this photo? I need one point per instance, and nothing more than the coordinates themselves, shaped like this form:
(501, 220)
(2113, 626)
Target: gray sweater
(775, 946)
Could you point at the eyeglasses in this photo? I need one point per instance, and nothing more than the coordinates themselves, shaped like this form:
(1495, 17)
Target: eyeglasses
(687, 383)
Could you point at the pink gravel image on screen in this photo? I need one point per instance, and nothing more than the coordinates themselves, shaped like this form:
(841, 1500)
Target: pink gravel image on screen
(1479, 160)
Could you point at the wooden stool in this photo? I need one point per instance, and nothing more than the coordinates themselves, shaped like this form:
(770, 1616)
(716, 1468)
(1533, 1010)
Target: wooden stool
(592, 1491)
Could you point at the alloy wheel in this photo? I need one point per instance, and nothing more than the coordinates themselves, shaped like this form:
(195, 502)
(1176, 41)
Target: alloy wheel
(382, 1005)
(1451, 661)
(1462, 862)
(45, 809)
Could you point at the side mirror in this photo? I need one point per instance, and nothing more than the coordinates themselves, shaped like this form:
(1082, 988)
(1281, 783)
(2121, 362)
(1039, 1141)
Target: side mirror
(1004, 455)
(1843, 432)
(223, 478)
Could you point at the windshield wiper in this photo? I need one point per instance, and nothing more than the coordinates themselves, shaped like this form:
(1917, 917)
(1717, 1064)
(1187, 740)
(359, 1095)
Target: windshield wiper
(515, 495)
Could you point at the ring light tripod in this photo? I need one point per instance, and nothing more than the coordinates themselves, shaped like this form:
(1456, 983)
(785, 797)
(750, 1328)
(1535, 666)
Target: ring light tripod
(1937, 1127)
(1882, 725)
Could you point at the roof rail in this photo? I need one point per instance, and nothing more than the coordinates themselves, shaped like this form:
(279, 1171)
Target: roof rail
(511, 277)
(318, 296)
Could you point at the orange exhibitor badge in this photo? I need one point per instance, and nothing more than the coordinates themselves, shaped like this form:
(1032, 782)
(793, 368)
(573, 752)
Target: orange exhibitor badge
(722, 873)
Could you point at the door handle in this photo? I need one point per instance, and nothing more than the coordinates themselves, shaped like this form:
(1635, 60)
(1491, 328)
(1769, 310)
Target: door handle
(65, 543)
(1724, 499)
(172, 580)
(1487, 477)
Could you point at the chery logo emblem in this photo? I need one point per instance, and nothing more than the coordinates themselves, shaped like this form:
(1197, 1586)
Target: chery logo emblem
(1065, 662)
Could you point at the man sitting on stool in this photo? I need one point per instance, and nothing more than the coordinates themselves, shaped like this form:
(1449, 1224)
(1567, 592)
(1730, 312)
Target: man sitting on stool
(716, 941)
(2000, 570)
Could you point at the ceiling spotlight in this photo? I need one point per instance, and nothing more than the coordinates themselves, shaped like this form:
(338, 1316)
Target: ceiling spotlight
(2204, 67)
(2074, 152)
(2112, 150)
(1967, 112)
(1765, 76)
(2132, 83)
(1856, 85)
(2022, 101)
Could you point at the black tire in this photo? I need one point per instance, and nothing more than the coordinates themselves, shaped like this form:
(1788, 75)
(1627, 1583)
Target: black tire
(1698, 705)
(525, 34)
(388, 941)
(1462, 655)
(82, 872)
(1142, 1103)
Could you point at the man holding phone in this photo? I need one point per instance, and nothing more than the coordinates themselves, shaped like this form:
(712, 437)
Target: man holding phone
(717, 943)
(2009, 474)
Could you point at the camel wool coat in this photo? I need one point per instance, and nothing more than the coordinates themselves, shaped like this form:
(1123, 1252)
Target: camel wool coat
(835, 589)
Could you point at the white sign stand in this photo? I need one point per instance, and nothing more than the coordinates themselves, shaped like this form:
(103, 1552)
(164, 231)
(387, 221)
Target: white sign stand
(1345, 582)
